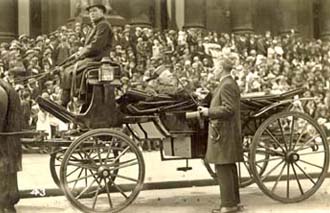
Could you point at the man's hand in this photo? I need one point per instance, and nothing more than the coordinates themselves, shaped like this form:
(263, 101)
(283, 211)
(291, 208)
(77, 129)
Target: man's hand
(77, 55)
(204, 111)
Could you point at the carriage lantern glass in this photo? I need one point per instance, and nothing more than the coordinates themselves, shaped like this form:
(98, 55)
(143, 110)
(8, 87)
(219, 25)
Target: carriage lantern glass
(106, 71)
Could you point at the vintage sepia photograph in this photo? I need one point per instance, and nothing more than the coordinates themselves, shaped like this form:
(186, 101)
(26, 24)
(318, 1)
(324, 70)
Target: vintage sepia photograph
(164, 106)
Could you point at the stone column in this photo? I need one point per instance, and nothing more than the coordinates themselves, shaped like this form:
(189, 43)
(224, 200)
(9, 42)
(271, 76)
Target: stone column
(8, 20)
(54, 14)
(287, 15)
(305, 18)
(218, 15)
(265, 16)
(195, 14)
(121, 7)
(241, 13)
(141, 12)
(325, 19)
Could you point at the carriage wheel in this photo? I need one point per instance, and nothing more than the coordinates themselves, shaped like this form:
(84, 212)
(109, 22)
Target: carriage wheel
(54, 165)
(298, 156)
(56, 158)
(102, 171)
(244, 171)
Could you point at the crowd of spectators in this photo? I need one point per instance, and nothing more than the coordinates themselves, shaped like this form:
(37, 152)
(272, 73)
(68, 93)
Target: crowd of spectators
(157, 61)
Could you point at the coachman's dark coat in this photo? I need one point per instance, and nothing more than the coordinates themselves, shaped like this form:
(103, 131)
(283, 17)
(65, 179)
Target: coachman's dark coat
(97, 45)
(224, 139)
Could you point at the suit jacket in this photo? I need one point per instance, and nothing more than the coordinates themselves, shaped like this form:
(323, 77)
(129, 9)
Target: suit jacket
(99, 41)
(224, 136)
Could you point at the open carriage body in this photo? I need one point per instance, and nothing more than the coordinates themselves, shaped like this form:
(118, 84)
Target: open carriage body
(102, 168)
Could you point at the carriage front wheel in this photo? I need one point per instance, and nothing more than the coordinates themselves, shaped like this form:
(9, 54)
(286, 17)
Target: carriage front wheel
(102, 171)
(298, 156)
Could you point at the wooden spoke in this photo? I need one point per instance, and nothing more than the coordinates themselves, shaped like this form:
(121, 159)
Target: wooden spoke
(76, 169)
(282, 133)
(95, 197)
(288, 182)
(85, 189)
(307, 175)
(267, 160)
(292, 131)
(109, 151)
(122, 153)
(124, 166)
(298, 181)
(124, 177)
(85, 166)
(77, 179)
(274, 139)
(275, 167)
(119, 189)
(311, 164)
(306, 143)
(80, 178)
(108, 193)
(311, 153)
(300, 135)
(279, 177)
(271, 150)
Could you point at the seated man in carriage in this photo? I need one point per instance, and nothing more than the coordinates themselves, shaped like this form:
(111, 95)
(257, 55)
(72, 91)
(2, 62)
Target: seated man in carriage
(97, 45)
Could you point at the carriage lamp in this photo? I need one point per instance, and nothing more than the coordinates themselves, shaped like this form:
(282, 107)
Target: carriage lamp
(106, 71)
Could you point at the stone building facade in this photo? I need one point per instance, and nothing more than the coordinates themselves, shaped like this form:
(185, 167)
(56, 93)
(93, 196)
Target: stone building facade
(310, 18)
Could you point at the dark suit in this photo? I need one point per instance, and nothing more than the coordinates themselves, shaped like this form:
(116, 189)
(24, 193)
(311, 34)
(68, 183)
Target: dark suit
(224, 140)
(97, 45)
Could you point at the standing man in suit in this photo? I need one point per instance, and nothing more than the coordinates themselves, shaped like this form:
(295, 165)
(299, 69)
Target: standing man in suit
(97, 45)
(224, 146)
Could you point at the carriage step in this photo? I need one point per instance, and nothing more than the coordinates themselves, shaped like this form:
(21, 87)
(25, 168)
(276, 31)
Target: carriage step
(185, 168)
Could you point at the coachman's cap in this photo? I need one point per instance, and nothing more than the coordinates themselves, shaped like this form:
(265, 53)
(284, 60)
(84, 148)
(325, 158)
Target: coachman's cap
(97, 4)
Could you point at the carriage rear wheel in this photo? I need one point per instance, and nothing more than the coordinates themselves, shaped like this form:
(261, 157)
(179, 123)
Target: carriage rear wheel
(55, 161)
(102, 171)
(298, 156)
(244, 171)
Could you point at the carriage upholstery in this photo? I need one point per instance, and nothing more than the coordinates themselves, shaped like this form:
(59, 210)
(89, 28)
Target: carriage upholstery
(256, 102)
(138, 102)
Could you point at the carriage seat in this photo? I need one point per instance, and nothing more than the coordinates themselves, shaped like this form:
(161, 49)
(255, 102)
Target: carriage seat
(101, 72)
(276, 97)
(255, 103)
(138, 102)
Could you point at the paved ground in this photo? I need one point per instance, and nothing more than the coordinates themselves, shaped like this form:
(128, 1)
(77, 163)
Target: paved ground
(184, 200)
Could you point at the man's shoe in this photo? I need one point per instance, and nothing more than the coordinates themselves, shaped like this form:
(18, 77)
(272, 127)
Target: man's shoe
(10, 209)
(240, 207)
(226, 209)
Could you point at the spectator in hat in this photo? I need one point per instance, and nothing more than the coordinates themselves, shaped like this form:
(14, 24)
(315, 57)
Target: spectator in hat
(62, 51)
(34, 88)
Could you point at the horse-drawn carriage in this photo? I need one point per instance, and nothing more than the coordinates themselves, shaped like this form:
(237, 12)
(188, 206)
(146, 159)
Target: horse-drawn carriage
(102, 168)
